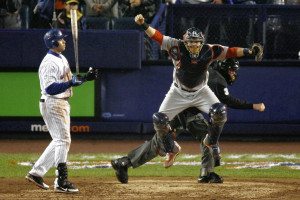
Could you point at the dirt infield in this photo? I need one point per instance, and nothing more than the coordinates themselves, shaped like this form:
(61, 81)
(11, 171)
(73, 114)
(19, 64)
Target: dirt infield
(117, 146)
(158, 188)
(155, 187)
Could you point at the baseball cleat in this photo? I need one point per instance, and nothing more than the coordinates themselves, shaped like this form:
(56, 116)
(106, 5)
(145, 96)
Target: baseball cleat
(37, 180)
(212, 177)
(172, 156)
(120, 166)
(64, 186)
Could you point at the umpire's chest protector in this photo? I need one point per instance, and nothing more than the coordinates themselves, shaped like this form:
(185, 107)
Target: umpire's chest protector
(191, 72)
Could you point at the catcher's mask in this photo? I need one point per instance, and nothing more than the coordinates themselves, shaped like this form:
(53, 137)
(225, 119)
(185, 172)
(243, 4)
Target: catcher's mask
(228, 68)
(193, 40)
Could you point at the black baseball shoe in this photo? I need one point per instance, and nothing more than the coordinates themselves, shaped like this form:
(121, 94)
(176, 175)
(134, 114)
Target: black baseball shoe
(203, 179)
(212, 177)
(64, 186)
(37, 180)
(120, 166)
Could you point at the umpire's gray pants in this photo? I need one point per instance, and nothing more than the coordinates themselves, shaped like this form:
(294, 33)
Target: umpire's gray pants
(145, 152)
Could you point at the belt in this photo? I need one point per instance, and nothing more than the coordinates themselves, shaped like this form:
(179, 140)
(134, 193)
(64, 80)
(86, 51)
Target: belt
(184, 89)
(66, 99)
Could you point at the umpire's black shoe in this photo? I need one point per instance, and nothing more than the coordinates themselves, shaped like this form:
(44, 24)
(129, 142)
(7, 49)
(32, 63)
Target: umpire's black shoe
(211, 178)
(215, 178)
(37, 180)
(203, 179)
(121, 165)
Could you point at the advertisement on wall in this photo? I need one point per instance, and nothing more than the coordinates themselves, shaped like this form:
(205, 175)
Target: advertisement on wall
(38, 127)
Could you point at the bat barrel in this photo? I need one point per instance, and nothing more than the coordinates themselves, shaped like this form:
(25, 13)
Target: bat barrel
(74, 29)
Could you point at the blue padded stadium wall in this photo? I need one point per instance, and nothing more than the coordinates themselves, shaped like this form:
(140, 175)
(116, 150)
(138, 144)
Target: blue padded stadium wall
(145, 89)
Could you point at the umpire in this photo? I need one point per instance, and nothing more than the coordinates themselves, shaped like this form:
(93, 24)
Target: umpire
(221, 74)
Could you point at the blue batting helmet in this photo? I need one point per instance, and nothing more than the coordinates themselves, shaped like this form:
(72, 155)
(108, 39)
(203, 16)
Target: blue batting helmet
(51, 38)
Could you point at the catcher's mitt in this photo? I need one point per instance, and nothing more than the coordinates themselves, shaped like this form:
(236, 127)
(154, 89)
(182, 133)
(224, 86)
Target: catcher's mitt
(258, 51)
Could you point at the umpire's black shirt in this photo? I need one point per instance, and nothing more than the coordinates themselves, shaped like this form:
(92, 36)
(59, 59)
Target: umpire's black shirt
(219, 86)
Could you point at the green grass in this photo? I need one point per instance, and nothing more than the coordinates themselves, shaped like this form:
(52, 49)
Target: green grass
(10, 167)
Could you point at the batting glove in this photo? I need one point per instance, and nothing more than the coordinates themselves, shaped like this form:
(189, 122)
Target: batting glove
(92, 74)
(76, 80)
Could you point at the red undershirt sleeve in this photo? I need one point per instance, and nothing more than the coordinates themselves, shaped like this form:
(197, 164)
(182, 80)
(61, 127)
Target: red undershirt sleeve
(231, 52)
(158, 37)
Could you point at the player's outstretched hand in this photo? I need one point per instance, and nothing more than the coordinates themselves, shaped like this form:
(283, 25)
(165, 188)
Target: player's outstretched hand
(92, 74)
(259, 107)
(76, 80)
(139, 19)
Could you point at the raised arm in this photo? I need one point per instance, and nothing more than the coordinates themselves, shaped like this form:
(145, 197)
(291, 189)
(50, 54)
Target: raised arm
(151, 32)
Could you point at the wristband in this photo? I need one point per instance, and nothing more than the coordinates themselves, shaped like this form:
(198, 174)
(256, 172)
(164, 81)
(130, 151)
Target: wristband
(246, 52)
(145, 26)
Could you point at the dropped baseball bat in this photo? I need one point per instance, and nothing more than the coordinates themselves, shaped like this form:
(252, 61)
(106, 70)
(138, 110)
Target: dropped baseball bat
(74, 28)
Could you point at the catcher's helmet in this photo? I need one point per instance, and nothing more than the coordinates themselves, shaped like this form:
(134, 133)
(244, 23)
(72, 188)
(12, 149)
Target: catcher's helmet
(193, 34)
(193, 40)
(51, 38)
(227, 65)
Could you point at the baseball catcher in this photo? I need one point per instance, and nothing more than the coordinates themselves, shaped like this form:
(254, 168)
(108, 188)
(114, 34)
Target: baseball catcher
(191, 58)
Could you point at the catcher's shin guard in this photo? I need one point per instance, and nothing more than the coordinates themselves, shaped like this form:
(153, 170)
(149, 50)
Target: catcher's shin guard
(163, 130)
(214, 150)
(218, 117)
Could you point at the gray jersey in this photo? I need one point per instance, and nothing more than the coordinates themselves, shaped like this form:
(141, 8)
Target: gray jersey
(199, 95)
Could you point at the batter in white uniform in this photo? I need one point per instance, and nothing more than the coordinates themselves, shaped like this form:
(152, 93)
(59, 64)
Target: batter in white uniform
(56, 82)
